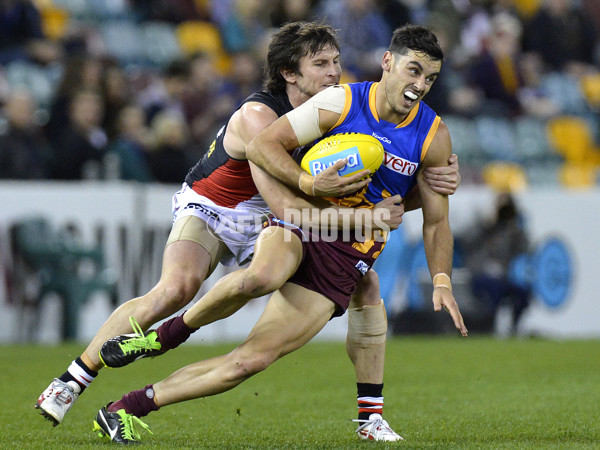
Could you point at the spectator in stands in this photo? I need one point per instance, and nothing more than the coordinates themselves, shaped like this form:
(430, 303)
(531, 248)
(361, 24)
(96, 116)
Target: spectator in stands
(452, 94)
(167, 91)
(21, 34)
(116, 94)
(447, 14)
(81, 144)
(363, 34)
(80, 71)
(562, 35)
(496, 72)
(24, 152)
(170, 157)
(395, 12)
(204, 108)
(490, 250)
(284, 11)
(130, 148)
(533, 98)
(174, 11)
(244, 78)
(475, 26)
(591, 9)
(243, 23)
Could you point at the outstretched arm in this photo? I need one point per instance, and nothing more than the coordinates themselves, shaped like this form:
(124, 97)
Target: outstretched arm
(437, 235)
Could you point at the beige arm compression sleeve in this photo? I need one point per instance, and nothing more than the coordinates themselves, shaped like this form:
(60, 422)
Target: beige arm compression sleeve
(305, 118)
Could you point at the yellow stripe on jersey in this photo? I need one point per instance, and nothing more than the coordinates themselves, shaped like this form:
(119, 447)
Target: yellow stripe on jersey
(411, 116)
(372, 105)
(364, 247)
(430, 136)
(347, 105)
(357, 200)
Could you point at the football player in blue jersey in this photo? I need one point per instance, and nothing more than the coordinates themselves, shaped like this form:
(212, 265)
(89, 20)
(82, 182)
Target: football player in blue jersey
(303, 59)
(326, 272)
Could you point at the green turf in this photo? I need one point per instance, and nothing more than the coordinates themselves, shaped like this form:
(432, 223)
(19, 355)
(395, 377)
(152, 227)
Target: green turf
(440, 393)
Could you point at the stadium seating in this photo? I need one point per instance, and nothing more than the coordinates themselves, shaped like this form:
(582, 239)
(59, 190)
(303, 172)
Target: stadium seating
(577, 175)
(532, 140)
(41, 82)
(464, 139)
(590, 86)
(123, 41)
(572, 137)
(95, 10)
(55, 22)
(497, 138)
(505, 176)
(565, 91)
(526, 8)
(56, 263)
(160, 42)
(196, 36)
(76, 8)
(543, 173)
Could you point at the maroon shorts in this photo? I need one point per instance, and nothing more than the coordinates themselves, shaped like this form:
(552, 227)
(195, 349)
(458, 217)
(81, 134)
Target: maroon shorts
(330, 267)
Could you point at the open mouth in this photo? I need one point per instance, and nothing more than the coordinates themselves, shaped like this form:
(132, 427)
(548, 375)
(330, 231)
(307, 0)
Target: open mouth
(410, 97)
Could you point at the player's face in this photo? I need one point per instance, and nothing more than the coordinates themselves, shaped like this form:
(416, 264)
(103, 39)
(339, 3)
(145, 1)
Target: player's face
(318, 72)
(409, 78)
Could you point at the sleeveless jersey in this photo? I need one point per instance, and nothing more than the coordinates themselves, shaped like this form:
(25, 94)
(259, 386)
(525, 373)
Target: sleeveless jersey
(405, 144)
(225, 180)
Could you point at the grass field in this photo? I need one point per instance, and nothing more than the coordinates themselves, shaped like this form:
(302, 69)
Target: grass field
(439, 393)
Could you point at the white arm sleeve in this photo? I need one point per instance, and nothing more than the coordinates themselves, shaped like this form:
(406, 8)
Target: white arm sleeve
(305, 118)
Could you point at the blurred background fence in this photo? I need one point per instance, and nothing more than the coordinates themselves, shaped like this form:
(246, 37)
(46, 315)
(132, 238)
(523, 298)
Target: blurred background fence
(109, 238)
(105, 104)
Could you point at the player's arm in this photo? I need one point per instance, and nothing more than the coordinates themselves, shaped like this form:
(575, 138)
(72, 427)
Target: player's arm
(270, 150)
(244, 125)
(443, 180)
(437, 235)
(294, 207)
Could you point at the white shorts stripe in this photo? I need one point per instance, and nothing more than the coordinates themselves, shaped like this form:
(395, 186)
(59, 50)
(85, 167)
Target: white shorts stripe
(237, 227)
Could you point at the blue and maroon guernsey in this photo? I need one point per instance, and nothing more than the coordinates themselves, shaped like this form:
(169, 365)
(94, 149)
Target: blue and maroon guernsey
(333, 268)
(405, 144)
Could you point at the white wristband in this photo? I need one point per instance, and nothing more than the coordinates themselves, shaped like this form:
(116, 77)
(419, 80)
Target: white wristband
(306, 183)
(442, 280)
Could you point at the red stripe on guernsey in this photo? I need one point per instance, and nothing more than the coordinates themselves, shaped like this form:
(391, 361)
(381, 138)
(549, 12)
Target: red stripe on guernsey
(229, 185)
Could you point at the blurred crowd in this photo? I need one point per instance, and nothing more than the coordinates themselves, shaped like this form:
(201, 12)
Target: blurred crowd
(137, 89)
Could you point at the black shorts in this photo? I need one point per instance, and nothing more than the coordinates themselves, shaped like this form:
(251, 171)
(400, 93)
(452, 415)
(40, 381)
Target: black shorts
(330, 267)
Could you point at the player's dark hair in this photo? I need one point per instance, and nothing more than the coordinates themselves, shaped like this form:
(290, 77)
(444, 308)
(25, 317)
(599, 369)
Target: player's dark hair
(293, 41)
(418, 39)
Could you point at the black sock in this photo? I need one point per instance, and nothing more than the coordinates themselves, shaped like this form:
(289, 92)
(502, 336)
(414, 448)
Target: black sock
(370, 399)
(80, 374)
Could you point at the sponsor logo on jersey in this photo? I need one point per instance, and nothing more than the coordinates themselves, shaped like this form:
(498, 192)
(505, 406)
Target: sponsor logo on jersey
(354, 162)
(362, 267)
(399, 165)
(381, 138)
